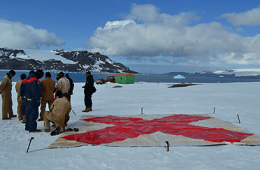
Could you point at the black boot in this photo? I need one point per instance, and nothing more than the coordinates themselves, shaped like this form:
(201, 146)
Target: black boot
(56, 131)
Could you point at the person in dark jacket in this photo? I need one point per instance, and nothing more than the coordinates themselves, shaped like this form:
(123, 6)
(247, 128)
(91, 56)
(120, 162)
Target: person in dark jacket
(22, 96)
(71, 86)
(88, 91)
(33, 95)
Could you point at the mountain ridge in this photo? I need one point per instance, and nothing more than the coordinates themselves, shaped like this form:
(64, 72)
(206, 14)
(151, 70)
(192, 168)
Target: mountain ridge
(76, 61)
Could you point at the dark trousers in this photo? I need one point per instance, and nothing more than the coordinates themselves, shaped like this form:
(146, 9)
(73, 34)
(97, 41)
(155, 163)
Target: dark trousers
(66, 120)
(32, 114)
(23, 109)
(67, 95)
(88, 101)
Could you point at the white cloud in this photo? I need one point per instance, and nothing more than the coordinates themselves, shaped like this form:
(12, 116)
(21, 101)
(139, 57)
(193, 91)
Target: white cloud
(147, 33)
(239, 29)
(251, 17)
(241, 59)
(18, 35)
(192, 62)
(146, 13)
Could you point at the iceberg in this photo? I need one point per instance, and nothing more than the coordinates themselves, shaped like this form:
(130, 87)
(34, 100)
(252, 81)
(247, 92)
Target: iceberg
(179, 77)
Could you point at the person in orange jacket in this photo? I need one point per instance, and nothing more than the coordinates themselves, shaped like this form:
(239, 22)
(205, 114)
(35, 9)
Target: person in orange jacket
(48, 88)
(19, 99)
(5, 90)
(58, 114)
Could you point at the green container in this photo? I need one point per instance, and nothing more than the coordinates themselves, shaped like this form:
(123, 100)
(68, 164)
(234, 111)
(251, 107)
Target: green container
(125, 78)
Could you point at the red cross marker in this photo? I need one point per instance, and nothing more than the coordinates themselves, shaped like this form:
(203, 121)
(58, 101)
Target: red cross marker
(127, 127)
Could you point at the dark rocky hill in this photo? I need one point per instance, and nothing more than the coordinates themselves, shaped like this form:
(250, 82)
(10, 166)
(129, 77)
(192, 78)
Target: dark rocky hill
(82, 61)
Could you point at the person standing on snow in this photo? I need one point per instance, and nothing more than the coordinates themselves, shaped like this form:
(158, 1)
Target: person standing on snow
(63, 84)
(6, 91)
(71, 86)
(19, 99)
(22, 96)
(89, 89)
(33, 94)
(58, 114)
(48, 88)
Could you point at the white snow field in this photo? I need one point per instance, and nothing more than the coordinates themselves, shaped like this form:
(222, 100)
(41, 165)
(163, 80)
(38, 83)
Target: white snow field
(229, 99)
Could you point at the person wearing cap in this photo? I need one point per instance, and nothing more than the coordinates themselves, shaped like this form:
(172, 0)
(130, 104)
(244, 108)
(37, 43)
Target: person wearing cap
(33, 94)
(19, 99)
(48, 88)
(58, 114)
(5, 90)
(63, 84)
(89, 89)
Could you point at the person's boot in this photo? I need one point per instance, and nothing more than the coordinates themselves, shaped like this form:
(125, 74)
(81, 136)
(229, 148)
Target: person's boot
(90, 108)
(56, 131)
(7, 118)
(36, 130)
(20, 117)
(69, 129)
(86, 110)
(23, 119)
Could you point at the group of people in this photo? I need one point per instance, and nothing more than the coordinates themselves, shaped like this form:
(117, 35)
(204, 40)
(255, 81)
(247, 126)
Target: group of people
(32, 93)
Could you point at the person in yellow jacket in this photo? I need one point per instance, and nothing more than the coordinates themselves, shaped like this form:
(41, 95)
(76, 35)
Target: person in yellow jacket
(48, 88)
(5, 90)
(19, 99)
(58, 114)
(63, 84)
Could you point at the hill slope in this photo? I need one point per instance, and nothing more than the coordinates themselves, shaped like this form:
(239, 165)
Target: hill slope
(59, 60)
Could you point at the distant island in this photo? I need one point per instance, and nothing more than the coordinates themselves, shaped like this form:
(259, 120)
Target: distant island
(213, 77)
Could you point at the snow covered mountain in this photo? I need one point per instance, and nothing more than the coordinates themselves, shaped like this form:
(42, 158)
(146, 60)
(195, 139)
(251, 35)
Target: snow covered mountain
(240, 72)
(59, 60)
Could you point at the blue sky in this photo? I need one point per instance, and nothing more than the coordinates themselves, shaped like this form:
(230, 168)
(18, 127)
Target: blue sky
(155, 36)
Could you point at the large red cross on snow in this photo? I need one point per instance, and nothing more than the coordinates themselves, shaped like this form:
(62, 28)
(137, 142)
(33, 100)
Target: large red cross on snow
(127, 127)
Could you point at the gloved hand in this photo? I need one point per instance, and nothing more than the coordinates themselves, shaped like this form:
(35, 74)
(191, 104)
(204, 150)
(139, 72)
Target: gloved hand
(38, 103)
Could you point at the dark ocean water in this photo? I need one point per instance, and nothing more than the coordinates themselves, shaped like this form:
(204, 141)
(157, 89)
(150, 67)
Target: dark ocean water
(80, 77)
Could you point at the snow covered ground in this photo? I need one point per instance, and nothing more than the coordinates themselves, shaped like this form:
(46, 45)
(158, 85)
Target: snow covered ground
(229, 99)
(42, 55)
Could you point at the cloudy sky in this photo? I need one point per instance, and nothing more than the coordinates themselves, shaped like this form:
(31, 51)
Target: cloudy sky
(149, 36)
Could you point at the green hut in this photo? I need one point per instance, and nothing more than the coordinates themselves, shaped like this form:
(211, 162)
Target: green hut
(125, 78)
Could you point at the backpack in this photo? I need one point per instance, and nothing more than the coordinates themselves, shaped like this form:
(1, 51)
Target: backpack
(93, 89)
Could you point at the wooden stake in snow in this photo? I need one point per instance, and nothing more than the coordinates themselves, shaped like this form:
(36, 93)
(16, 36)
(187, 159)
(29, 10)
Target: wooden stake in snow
(29, 143)
(214, 111)
(167, 146)
(73, 112)
(142, 110)
(238, 118)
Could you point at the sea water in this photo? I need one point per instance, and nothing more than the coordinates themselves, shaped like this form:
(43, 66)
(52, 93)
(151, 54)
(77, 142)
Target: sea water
(80, 77)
